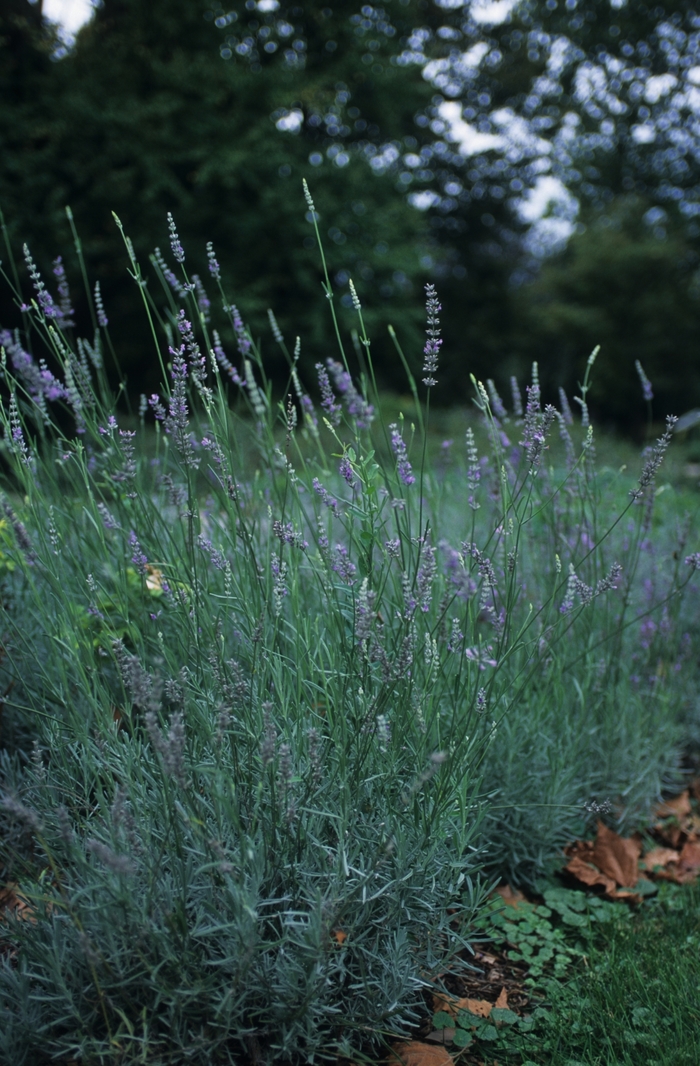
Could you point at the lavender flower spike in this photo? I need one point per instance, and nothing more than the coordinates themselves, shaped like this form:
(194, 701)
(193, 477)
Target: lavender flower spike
(647, 389)
(332, 409)
(434, 343)
(403, 466)
(102, 319)
(177, 249)
(214, 268)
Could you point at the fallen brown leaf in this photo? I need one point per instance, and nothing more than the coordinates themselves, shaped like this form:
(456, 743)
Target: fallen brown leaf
(485, 957)
(452, 1005)
(678, 807)
(502, 1001)
(691, 825)
(416, 1053)
(511, 896)
(339, 936)
(481, 1007)
(617, 856)
(690, 855)
(589, 875)
(11, 899)
(671, 834)
(659, 857)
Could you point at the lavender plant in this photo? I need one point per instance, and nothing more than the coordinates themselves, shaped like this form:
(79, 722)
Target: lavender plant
(295, 692)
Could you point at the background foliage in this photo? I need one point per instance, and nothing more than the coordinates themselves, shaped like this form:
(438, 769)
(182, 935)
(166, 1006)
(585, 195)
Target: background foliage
(217, 113)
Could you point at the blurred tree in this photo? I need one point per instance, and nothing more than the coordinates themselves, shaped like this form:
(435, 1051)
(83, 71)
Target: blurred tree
(216, 113)
(145, 117)
(576, 105)
(633, 287)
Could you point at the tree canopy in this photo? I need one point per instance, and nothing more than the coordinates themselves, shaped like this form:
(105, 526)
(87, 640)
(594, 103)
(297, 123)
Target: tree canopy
(429, 136)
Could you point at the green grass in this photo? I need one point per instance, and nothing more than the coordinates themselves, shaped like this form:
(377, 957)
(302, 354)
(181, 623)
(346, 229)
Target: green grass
(636, 1000)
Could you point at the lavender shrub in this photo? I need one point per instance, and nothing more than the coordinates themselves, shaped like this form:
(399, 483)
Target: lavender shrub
(295, 692)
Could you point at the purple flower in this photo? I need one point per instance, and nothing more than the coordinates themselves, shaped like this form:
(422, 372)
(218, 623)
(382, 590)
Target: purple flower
(473, 470)
(342, 565)
(214, 268)
(108, 520)
(44, 297)
(172, 280)
(242, 339)
(224, 362)
(357, 406)
(332, 409)
(329, 500)
(565, 409)
(102, 319)
(425, 577)
(52, 387)
(203, 301)
(65, 308)
(138, 558)
(364, 613)
(128, 471)
(655, 459)
(434, 343)
(480, 656)
(19, 445)
(646, 633)
(486, 571)
(197, 362)
(154, 402)
(463, 585)
(205, 545)
(647, 390)
(288, 535)
(496, 401)
(177, 249)
(347, 472)
(176, 420)
(403, 466)
(517, 398)
(393, 548)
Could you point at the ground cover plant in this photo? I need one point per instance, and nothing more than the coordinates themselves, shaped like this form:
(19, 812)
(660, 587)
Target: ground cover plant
(285, 692)
(637, 1000)
(620, 986)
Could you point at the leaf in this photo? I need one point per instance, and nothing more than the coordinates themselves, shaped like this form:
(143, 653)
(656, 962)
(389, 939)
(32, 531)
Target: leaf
(678, 807)
(502, 1016)
(442, 1036)
(415, 1053)
(489, 1032)
(659, 857)
(606, 862)
(339, 936)
(480, 1007)
(690, 855)
(502, 1001)
(461, 1038)
(451, 1005)
(11, 898)
(512, 897)
(442, 1020)
(617, 856)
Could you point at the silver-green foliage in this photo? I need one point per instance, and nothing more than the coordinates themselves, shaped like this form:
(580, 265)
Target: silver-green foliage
(288, 683)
